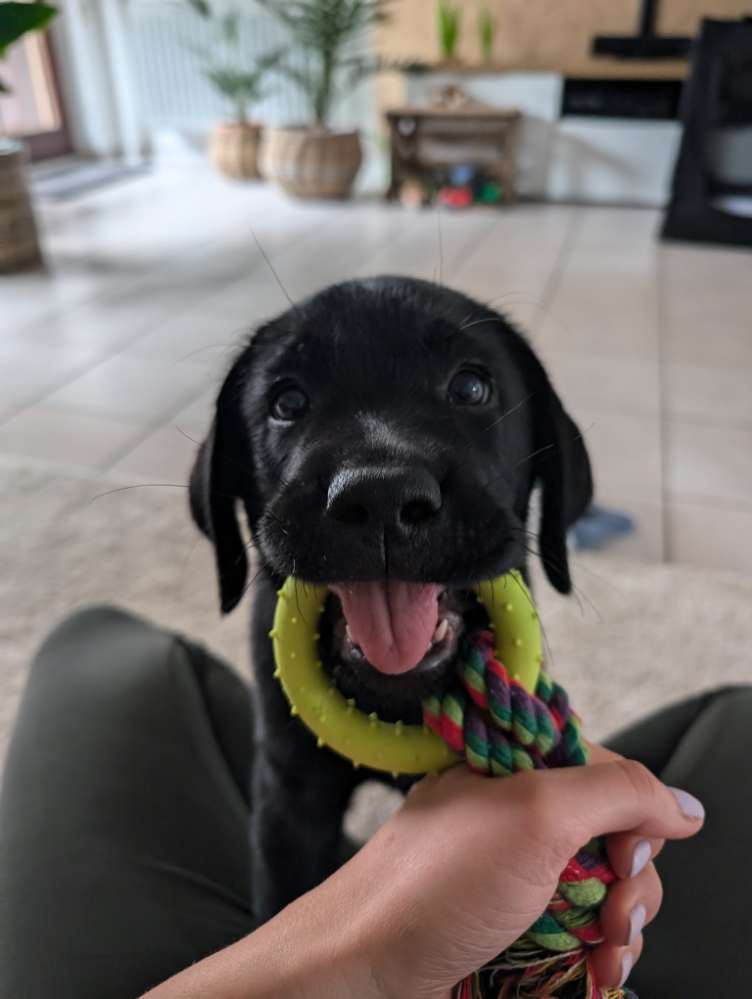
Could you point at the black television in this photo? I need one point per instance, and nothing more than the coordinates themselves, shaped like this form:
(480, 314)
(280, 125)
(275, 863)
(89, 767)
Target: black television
(646, 44)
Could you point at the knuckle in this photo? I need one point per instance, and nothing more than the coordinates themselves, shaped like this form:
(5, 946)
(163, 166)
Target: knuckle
(639, 779)
(528, 798)
(656, 890)
(538, 806)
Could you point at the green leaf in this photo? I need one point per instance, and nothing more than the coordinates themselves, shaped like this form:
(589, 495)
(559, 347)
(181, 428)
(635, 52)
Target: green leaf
(269, 59)
(297, 75)
(324, 29)
(201, 7)
(16, 19)
(230, 28)
(486, 32)
(450, 17)
(4, 88)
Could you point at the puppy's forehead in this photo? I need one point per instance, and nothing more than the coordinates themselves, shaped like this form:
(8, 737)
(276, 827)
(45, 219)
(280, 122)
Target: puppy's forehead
(365, 337)
(371, 326)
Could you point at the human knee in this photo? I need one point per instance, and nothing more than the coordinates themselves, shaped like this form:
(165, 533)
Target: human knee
(100, 644)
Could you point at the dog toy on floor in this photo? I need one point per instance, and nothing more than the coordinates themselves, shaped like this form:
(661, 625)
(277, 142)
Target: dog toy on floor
(503, 714)
(598, 527)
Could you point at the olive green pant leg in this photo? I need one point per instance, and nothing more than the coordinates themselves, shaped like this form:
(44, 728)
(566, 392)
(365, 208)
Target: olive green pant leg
(699, 945)
(123, 850)
(123, 816)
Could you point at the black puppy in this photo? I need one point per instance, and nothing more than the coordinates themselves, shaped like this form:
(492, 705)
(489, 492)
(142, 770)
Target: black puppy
(383, 438)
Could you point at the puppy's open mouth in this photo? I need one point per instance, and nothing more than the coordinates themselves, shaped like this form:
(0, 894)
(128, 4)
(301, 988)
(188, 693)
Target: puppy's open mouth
(389, 645)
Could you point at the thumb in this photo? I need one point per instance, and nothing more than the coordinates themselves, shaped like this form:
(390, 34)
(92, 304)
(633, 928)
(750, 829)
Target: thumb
(620, 796)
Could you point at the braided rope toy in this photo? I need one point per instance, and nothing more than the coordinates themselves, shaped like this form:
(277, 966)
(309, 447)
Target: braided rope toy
(502, 719)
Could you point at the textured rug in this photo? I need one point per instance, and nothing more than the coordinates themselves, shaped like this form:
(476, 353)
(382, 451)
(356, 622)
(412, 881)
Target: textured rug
(634, 637)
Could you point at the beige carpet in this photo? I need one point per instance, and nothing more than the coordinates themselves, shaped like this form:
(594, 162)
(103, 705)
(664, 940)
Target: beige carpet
(644, 635)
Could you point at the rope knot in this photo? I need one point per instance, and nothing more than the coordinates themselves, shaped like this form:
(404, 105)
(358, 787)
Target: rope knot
(496, 724)
(500, 729)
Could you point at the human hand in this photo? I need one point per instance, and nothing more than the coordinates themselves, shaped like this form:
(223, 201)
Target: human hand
(461, 870)
(468, 864)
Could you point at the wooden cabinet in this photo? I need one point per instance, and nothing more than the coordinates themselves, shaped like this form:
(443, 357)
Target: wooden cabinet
(424, 140)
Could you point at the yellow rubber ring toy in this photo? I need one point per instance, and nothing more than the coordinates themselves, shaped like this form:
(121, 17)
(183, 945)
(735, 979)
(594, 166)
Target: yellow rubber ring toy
(364, 739)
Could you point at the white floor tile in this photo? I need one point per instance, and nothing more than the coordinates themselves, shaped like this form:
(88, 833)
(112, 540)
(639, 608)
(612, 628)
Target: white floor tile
(104, 326)
(709, 463)
(131, 388)
(30, 370)
(66, 438)
(611, 228)
(626, 384)
(713, 537)
(198, 336)
(646, 542)
(165, 456)
(625, 451)
(711, 394)
(713, 334)
(579, 320)
(196, 418)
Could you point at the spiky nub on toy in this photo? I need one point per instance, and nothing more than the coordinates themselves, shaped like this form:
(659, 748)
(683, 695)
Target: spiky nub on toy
(502, 713)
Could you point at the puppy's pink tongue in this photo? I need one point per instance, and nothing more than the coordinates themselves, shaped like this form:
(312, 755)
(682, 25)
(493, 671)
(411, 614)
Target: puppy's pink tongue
(392, 622)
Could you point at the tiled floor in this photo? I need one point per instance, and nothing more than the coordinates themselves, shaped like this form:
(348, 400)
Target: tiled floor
(109, 362)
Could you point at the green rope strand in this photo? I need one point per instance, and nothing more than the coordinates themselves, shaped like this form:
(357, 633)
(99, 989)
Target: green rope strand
(502, 729)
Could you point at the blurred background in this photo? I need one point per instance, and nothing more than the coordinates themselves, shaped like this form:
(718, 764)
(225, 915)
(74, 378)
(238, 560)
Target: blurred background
(170, 172)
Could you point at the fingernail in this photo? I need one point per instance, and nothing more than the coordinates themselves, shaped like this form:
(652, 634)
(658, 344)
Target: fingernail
(637, 918)
(642, 854)
(627, 963)
(690, 806)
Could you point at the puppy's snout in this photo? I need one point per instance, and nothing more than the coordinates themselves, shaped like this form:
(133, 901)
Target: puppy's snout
(384, 498)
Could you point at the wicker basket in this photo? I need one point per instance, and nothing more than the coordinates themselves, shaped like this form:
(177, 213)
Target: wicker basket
(19, 243)
(233, 149)
(311, 163)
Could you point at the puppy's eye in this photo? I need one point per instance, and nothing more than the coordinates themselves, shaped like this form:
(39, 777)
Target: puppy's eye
(469, 388)
(290, 403)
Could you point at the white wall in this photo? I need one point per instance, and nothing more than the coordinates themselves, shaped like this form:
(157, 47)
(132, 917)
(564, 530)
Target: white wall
(96, 75)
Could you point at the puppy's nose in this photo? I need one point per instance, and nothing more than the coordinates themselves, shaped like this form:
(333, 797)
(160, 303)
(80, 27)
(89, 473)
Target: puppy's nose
(384, 497)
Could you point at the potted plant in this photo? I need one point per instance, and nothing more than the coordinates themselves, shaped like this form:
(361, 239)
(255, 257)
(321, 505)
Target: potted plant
(234, 143)
(315, 160)
(486, 33)
(449, 17)
(19, 243)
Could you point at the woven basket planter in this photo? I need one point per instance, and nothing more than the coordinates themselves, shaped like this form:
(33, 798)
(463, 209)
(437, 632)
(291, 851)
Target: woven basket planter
(310, 162)
(19, 243)
(234, 147)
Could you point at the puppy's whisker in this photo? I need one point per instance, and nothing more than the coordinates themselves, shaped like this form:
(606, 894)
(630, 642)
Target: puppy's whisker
(441, 244)
(140, 485)
(280, 524)
(509, 412)
(243, 331)
(481, 322)
(274, 273)
(251, 581)
(519, 296)
(577, 591)
(577, 562)
(250, 545)
(534, 454)
(577, 437)
(187, 435)
(508, 298)
(552, 564)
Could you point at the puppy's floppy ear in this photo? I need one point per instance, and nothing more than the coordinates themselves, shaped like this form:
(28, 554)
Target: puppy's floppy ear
(562, 467)
(560, 464)
(216, 485)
